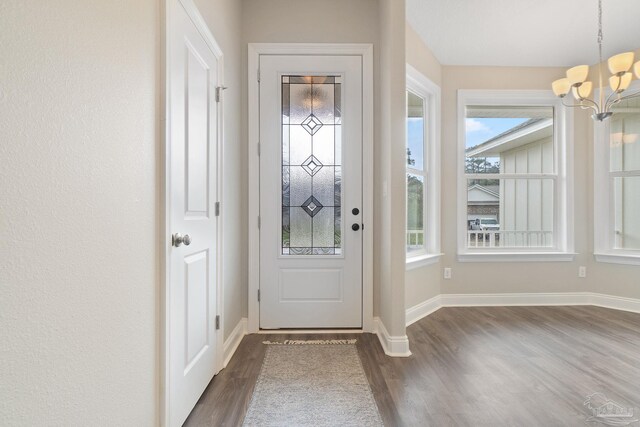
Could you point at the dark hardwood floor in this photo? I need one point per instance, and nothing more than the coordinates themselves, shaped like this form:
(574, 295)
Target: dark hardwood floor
(480, 366)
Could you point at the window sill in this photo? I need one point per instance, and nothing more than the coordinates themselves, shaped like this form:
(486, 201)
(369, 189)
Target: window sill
(517, 257)
(618, 258)
(422, 260)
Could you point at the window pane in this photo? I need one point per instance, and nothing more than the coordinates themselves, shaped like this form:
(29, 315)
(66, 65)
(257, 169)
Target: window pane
(624, 140)
(502, 139)
(415, 131)
(311, 173)
(415, 213)
(509, 213)
(627, 212)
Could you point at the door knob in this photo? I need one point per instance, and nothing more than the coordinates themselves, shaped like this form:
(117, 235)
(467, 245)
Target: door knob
(355, 227)
(178, 239)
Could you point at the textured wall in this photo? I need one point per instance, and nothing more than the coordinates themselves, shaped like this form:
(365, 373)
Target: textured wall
(390, 168)
(78, 217)
(424, 282)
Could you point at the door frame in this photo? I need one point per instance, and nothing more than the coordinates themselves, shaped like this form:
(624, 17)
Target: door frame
(165, 230)
(365, 51)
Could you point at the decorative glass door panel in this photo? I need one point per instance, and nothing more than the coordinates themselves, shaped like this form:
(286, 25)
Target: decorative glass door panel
(311, 137)
(311, 165)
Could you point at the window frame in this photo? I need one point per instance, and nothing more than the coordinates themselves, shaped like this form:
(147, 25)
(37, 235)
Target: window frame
(421, 86)
(563, 233)
(603, 203)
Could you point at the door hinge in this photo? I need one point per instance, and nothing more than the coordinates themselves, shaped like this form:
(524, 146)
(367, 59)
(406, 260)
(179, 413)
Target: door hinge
(219, 90)
(217, 208)
(258, 75)
(258, 295)
(218, 321)
(258, 222)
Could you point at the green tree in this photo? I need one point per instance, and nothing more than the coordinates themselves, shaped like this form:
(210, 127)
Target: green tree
(482, 165)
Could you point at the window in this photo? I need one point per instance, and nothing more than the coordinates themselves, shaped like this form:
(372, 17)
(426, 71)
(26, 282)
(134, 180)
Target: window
(617, 185)
(514, 173)
(423, 192)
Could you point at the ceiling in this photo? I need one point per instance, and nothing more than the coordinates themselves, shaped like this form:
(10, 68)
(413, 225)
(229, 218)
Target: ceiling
(524, 32)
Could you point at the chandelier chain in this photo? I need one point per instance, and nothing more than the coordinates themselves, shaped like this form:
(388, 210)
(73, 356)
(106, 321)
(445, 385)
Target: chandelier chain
(600, 30)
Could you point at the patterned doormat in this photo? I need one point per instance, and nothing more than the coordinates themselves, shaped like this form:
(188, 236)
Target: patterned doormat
(319, 383)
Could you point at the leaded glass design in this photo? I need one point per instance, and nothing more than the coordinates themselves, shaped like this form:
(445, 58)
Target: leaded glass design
(311, 165)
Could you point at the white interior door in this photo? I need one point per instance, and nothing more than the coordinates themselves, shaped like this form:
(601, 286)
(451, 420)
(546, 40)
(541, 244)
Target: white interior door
(193, 129)
(310, 191)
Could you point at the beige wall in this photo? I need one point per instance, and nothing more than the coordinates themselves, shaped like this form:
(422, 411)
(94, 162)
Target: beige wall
(526, 277)
(621, 280)
(358, 21)
(507, 277)
(421, 58)
(80, 112)
(78, 217)
(390, 169)
(424, 282)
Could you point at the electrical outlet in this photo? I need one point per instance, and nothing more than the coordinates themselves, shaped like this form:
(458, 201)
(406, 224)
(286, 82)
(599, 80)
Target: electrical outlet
(447, 273)
(582, 271)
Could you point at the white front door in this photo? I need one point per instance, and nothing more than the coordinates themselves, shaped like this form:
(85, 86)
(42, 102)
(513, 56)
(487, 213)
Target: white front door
(311, 191)
(193, 357)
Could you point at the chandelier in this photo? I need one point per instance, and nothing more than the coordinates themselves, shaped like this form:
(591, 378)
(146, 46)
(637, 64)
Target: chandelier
(576, 81)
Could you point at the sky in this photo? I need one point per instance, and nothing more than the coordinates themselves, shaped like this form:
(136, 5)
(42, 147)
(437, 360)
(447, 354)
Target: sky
(415, 140)
(480, 130)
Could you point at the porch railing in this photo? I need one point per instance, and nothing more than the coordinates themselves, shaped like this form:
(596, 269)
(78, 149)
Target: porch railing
(415, 238)
(509, 239)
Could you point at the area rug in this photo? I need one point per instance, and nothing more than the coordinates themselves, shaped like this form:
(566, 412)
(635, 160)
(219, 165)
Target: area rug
(319, 383)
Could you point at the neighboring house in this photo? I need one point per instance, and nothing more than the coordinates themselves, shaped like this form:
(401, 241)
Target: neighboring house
(483, 201)
(525, 205)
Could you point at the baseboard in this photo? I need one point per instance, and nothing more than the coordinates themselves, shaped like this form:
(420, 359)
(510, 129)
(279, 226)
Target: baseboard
(394, 346)
(615, 302)
(233, 341)
(514, 299)
(425, 308)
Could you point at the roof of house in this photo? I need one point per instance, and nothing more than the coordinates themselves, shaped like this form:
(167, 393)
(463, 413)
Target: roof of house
(522, 134)
(489, 193)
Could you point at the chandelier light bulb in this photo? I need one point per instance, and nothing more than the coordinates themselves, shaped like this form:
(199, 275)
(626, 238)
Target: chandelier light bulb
(577, 74)
(621, 83)
(576, 82)
(561, 87)
(620, 63)
(582, 91)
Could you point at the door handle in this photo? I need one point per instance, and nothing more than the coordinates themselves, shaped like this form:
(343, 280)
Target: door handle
(355, 227)
(178, 239)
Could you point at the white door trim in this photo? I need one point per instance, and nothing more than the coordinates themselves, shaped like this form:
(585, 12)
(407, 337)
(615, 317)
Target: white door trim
(164, 194)
(366, 51)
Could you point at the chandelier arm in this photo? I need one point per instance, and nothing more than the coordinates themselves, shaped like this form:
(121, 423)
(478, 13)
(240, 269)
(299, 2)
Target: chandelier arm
(582, 106)
(611, 102)
(590, 101)
(614, 93)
